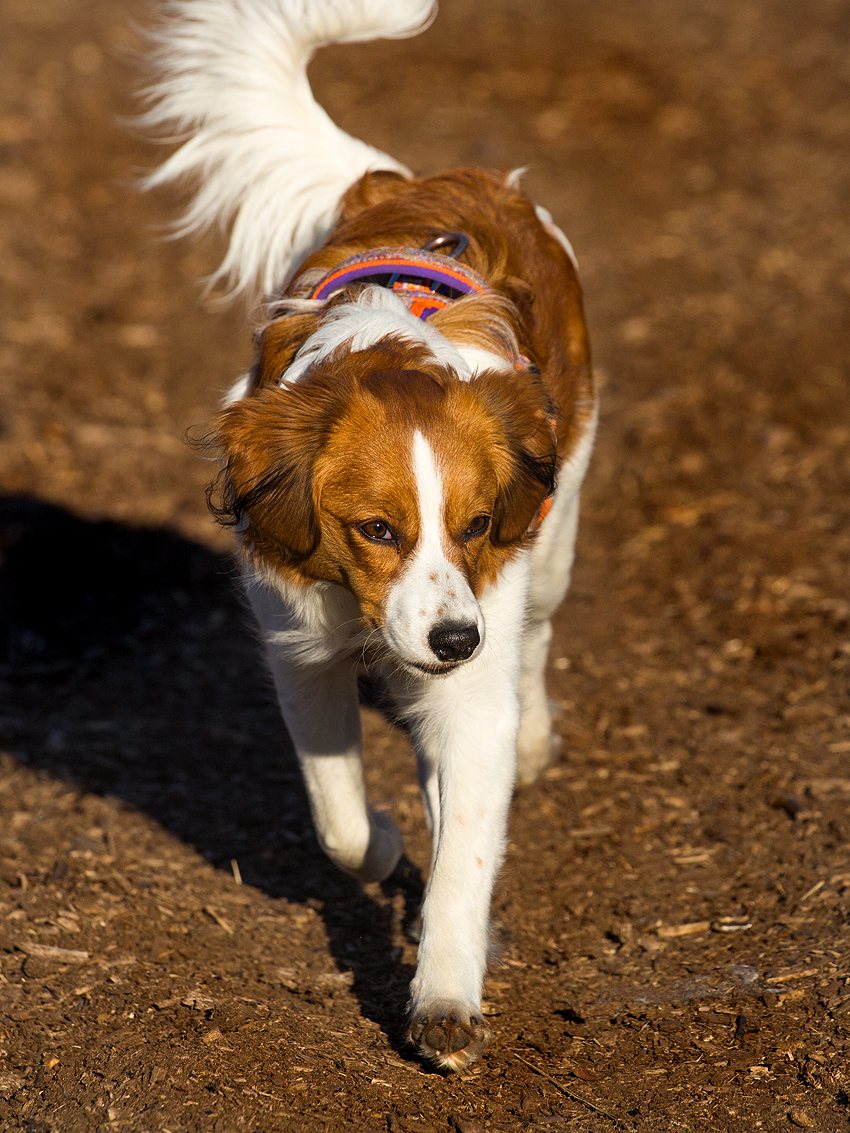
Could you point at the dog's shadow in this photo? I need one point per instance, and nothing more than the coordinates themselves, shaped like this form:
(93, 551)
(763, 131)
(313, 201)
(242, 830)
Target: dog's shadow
(133, 671)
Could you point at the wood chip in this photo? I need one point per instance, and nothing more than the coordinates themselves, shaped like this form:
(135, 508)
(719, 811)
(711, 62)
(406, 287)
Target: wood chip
(811, 892)
(219, 920)
(50, 952)
(696, 858)
(198, 1001)
(165, 1004)
(730, 924)
(801, 1119)
(786, 977)
(670, 932)
(824, 786)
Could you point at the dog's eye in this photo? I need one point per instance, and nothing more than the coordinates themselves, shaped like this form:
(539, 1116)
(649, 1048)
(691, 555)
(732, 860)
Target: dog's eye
(477, 527)
(378, 531)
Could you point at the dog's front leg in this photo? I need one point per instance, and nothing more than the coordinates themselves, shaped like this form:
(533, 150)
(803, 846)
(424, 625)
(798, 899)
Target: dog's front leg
(317, 693)
(466, 731)
(321, 711)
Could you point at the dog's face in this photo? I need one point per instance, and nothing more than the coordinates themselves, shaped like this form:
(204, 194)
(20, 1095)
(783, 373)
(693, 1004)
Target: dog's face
(383, 472)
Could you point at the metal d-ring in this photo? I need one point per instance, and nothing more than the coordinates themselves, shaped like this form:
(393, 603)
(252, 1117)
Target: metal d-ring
(454, 240)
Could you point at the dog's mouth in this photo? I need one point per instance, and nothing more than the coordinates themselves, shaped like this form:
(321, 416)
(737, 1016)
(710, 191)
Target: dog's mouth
(438, 669)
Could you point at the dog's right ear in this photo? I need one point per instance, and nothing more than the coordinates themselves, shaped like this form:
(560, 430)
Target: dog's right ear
(270, 442)
(279, 341)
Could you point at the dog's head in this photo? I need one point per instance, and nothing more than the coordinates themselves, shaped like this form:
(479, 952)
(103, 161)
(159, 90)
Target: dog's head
(383, 471)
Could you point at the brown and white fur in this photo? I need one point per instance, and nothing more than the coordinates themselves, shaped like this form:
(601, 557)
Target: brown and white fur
(386, 474)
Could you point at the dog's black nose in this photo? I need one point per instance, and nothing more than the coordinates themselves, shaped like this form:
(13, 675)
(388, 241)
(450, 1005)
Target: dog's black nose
(453, 641)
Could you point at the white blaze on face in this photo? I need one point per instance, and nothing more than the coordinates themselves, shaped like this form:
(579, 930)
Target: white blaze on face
(431, 592)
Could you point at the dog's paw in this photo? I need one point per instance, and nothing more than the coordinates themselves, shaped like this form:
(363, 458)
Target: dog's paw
(449, 1035)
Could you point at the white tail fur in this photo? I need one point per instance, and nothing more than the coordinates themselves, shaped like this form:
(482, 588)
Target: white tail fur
(232, 87)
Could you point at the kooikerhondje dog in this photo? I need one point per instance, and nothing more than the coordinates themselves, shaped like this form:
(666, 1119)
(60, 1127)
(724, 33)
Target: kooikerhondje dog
(403, 462)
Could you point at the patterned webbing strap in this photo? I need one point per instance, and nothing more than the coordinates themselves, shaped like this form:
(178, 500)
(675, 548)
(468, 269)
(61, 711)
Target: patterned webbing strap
(426, 281)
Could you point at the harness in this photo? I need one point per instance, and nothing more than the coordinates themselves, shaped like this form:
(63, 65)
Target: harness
(426, 280)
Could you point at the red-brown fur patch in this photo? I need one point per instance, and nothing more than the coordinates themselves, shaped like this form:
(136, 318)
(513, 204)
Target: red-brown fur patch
(279, 341)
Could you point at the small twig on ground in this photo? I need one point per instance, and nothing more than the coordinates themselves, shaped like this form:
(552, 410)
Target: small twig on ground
(219, 920)
(564, 1090)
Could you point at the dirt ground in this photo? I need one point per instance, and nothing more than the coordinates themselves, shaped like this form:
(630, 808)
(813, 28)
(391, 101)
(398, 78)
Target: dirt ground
(673, 945)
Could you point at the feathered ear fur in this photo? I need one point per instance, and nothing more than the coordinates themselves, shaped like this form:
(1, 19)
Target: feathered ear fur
(528, 464)
(279, 341)
(270, 443)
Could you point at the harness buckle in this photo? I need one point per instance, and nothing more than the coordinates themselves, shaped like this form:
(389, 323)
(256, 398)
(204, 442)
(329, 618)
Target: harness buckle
(454, 240)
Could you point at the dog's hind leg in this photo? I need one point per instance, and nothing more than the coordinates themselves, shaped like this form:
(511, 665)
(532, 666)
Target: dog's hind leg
(551, 559)
(551, 566)
(537, 744)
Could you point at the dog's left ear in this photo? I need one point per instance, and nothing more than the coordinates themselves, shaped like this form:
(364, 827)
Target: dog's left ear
(271, 442)
(526, 457)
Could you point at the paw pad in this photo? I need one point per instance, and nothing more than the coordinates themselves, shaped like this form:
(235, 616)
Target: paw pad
(452, 1038)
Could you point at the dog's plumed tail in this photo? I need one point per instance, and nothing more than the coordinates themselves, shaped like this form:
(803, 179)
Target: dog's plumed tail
(270, 164)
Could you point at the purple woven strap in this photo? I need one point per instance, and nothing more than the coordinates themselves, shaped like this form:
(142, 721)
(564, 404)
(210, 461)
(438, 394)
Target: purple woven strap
(408, 269)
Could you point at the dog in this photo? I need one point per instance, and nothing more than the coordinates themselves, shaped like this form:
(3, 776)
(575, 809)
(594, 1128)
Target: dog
(401, 464)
